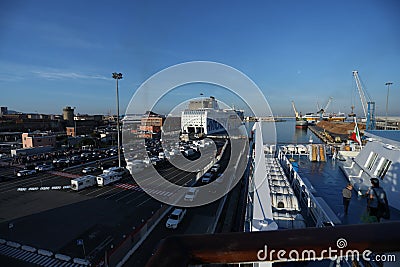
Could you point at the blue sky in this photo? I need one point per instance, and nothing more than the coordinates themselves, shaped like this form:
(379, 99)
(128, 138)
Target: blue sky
(59, 53)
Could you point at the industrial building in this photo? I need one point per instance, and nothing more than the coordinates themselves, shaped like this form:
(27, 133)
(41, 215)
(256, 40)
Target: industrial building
(151, 125)
(30, 140)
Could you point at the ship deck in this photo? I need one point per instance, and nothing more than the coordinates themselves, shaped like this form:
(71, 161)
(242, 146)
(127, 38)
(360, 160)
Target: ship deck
(328, 180)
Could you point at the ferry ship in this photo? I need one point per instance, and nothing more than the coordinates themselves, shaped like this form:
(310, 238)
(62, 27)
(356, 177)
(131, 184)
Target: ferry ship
(311, 117)
(205, 117)
(340, 116)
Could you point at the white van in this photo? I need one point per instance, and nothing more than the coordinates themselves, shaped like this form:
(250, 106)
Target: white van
(135, 166)
(118, 170)
(108, 178)
(83, 182)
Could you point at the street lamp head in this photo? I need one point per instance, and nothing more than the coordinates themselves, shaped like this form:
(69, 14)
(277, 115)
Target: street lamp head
(388, 83)
(117, 75)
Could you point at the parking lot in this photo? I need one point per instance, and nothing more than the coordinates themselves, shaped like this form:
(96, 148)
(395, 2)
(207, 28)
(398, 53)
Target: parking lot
(197, 220)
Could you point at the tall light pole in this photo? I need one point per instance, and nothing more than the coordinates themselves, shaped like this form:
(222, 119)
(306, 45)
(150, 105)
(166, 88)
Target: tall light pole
(387, 101)
(118, 76)
(201, 118)
(74, 123)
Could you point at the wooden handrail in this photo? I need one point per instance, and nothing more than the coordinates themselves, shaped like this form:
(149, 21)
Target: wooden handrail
(244, 247)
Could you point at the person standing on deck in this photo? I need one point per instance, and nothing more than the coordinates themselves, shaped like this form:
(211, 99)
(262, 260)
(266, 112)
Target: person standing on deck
(346, 192)
(375, 194)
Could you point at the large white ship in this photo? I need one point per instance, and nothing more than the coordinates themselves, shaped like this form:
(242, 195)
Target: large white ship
(205, 116)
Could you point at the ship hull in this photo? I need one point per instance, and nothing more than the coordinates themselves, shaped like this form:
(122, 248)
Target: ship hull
(301, 123)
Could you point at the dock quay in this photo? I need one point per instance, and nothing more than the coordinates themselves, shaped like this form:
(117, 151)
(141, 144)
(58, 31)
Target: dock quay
(337, 132)
(327, 137)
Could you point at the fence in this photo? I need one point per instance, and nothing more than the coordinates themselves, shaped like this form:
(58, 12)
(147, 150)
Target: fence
(118, 255)
(321, 213)
(209, 165)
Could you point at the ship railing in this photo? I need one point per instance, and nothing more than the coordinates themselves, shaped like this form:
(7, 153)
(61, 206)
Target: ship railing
(319, 211)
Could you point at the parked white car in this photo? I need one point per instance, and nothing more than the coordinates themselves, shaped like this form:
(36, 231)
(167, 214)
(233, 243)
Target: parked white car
(89, 169)
(25, 173)
(206, 177)
(191, 194)
(175, 218)
(42, 168)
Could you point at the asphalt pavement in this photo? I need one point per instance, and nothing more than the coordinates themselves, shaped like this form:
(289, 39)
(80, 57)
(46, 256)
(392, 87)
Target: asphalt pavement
(54, 219)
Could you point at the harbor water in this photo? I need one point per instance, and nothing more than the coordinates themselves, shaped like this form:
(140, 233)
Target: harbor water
(286, 132)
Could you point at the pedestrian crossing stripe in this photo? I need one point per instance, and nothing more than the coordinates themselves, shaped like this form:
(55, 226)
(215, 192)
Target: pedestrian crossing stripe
(129, 187)
(34, 258)
(139, 189)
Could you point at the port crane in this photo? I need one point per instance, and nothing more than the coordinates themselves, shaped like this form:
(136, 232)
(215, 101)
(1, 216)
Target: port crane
(327, 105)
(322, 110)
(368, 105)
(295, 111)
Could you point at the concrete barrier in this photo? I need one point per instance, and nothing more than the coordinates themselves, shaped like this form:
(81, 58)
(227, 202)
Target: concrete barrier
(81, 261)
(13, 244)
(28, 248)
(88, 163)
(45, 252)
(62, 257)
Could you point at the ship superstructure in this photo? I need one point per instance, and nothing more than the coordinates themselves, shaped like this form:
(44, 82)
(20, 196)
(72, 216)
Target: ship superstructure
(205, 116)
(380, 158)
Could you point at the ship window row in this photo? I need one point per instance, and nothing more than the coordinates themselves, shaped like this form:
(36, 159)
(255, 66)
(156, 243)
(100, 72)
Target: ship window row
(194, 115)
(193, 122)
(195, 119)
(383, 166)
(380, 166)
(193, 112)
(371, 160)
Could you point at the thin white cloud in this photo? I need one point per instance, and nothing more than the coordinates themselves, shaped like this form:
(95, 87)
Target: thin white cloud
(12, 72)
(68, 75)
